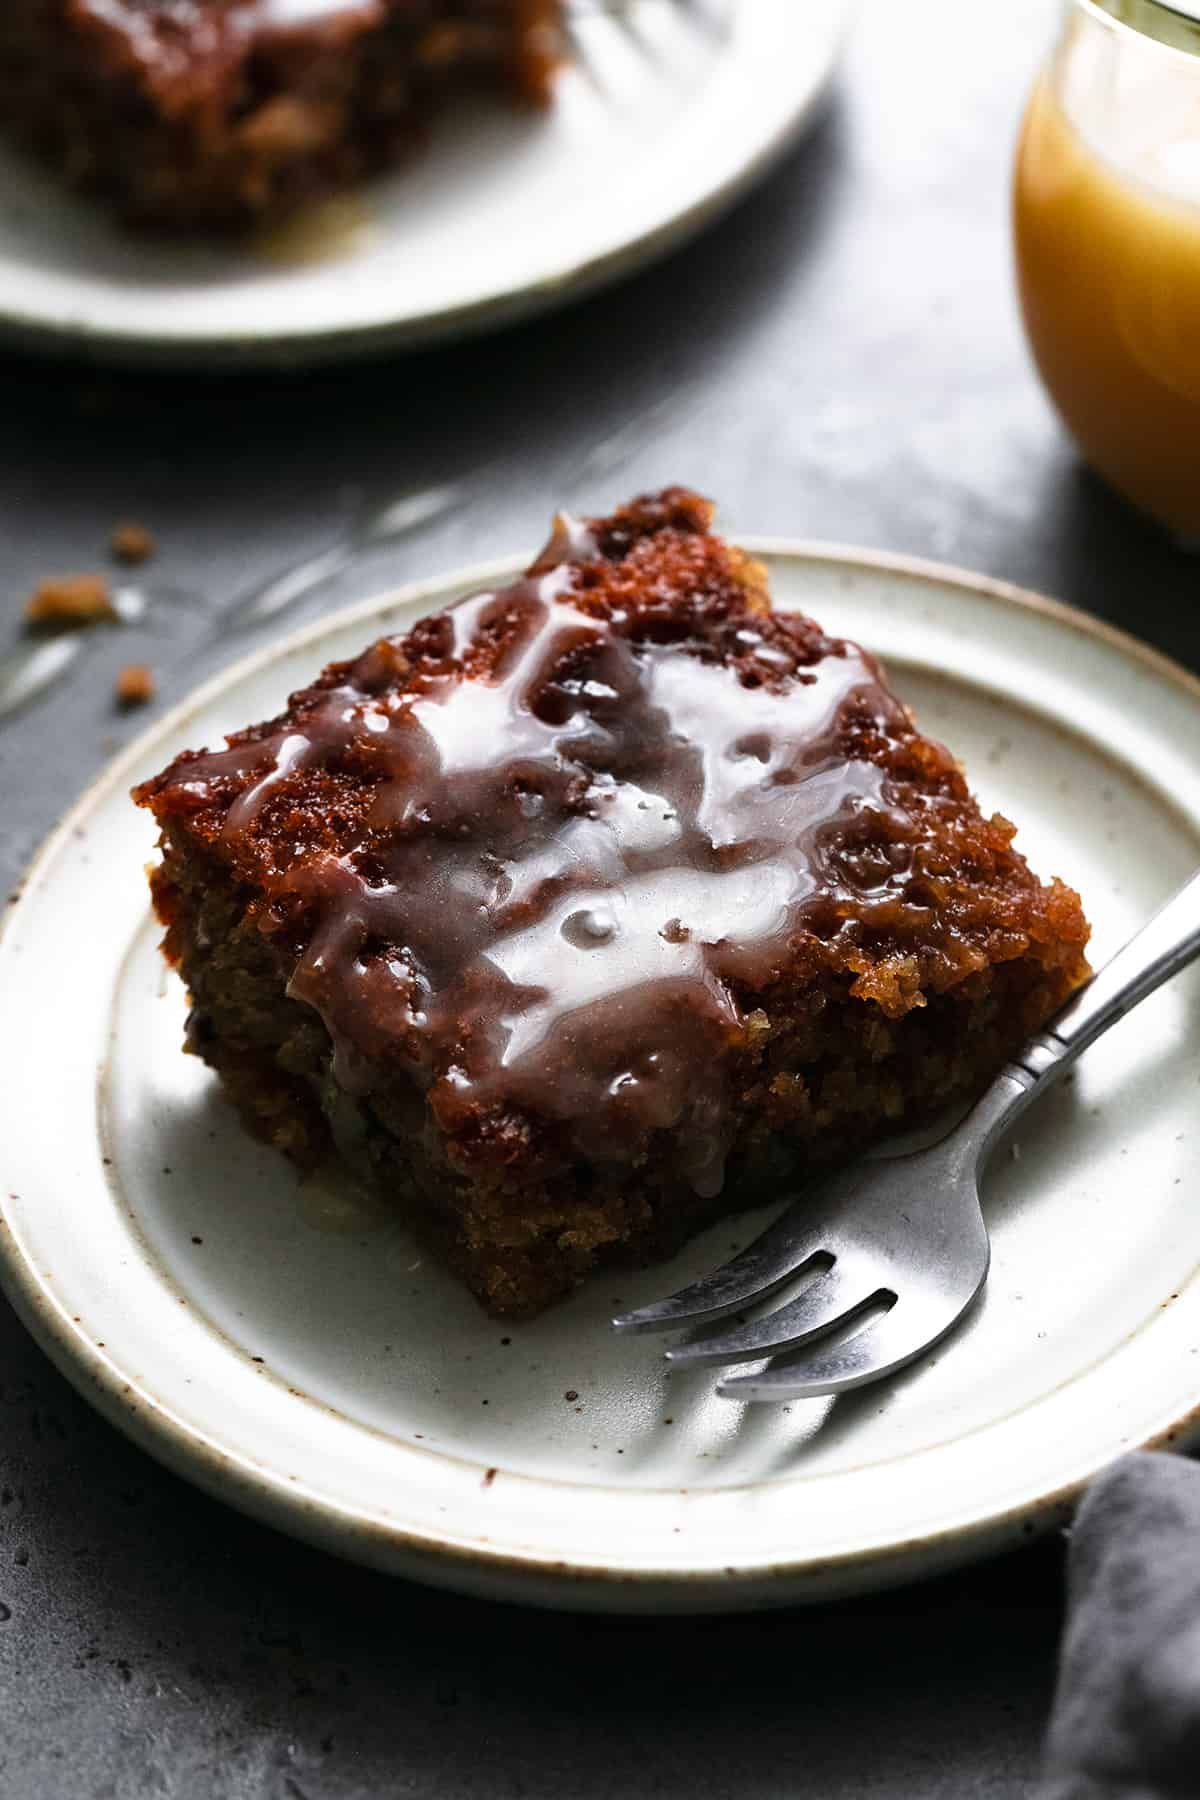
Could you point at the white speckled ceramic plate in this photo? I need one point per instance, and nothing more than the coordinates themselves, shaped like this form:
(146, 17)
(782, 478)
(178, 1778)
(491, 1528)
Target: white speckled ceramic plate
(667, 116)
(299, 1355)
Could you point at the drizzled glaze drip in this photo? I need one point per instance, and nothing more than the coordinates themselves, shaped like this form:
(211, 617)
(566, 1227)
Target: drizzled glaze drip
(585, 851)
(194, 40)
(141, 18)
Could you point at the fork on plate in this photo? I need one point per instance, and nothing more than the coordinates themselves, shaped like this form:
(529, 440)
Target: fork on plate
(702, 18)
(898, 1246)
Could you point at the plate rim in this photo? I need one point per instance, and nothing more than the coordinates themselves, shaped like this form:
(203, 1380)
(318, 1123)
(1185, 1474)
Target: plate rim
(482, 1568)
(69, 334)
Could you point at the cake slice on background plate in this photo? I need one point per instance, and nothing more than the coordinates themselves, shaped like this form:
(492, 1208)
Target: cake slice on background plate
(221, 113)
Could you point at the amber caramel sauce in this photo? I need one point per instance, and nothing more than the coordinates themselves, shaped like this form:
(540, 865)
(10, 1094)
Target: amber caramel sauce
(1108, 262)
(321, 231)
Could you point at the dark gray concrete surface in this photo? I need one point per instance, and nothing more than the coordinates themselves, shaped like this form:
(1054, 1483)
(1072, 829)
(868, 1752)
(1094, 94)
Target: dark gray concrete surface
(841, 357)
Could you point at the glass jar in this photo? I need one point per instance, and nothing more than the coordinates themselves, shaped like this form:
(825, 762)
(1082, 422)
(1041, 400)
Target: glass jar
(1107, 229)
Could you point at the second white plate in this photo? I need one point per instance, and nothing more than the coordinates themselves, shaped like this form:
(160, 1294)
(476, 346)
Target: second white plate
(299, 1356)
(664, 119)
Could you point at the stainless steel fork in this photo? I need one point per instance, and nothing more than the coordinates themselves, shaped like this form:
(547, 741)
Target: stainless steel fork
(707, 18)
(900, 1241)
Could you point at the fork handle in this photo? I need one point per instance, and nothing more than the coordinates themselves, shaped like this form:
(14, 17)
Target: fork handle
(1159, 950)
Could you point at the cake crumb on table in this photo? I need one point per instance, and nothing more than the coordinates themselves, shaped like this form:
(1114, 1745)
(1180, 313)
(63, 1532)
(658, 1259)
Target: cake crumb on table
(135, 685)
(132, 543)
(70, 600)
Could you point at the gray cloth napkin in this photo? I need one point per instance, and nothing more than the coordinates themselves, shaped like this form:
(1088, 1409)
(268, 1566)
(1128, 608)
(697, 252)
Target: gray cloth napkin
(1126, 1718)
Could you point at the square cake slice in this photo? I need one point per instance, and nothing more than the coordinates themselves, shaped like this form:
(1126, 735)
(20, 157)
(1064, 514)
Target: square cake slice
(597, 906)
(223, 112)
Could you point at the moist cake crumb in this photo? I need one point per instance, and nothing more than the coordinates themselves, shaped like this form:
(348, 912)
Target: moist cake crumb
(132, 543)
(598, 906)
(135, 687)
(70, 600)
